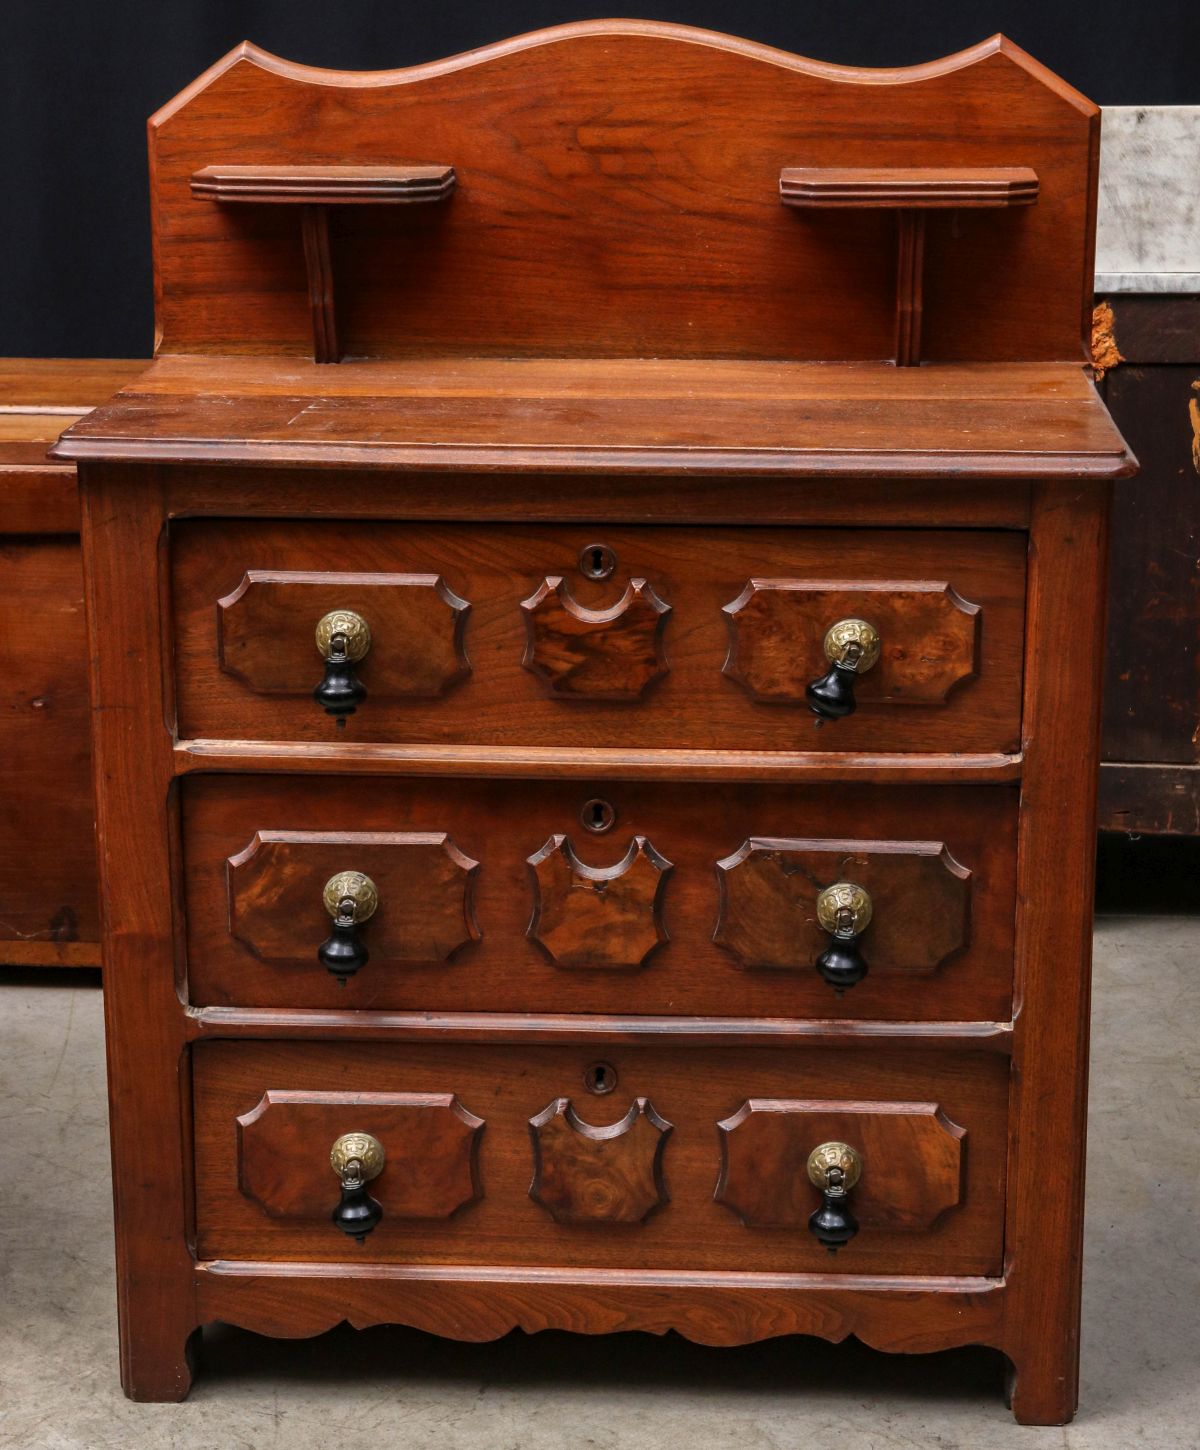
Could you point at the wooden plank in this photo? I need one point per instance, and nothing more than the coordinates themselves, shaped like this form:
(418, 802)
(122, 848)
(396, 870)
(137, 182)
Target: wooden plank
(1150, 799)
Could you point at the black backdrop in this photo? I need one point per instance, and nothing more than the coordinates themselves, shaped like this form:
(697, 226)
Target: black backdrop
(79, 77)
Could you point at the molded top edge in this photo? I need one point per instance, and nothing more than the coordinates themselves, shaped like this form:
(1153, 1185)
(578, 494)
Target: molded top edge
(662, 30)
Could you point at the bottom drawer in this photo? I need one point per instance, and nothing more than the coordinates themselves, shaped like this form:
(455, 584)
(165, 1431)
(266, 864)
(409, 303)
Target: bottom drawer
(671, 1156)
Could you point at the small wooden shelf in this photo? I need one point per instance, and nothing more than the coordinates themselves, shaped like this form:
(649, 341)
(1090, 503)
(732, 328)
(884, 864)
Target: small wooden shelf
(910, 191)
(315, 188)
(923, 187)
(324, 185)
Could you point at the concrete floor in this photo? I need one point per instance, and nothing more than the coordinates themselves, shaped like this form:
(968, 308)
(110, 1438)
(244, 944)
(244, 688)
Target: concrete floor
(399, 1390)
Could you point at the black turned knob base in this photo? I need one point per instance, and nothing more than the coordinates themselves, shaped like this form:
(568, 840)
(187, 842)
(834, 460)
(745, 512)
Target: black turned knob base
(833, 1224)
(842, 965)
(832, 696)
(341, 692)
(357, 1213)
(344, 952)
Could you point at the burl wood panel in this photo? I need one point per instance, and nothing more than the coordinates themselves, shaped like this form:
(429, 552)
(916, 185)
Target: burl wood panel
(430, 1143)
(426, 887)
(595, 654)
(912, 1162)
(598, 917)
(920, 895)
(49, 911)
(598, 1175)
(698, 570)
(692, 1088)
(502, 823)
(633, 209)
(929, 637)
(266, 629)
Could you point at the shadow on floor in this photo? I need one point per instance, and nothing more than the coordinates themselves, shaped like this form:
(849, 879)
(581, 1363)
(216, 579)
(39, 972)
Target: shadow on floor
(552, 1358)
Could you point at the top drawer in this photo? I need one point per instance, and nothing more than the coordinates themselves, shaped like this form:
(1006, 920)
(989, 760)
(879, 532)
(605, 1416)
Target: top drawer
(669, 638)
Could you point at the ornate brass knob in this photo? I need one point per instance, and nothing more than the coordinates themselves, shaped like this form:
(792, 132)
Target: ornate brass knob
(844, 910)
(350, 898)
(343, 638)
(834, 1168)
(852, 647)
(357, 1158)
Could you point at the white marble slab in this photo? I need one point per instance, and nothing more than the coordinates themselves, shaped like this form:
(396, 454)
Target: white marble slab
(1148, 227)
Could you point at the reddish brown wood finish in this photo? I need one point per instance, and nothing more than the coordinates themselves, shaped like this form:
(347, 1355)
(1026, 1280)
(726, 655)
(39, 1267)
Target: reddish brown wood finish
(689, 1087)
(266, 630)
(690, 376)
(657, 201)
(919, 187)
(588, 1174)
(912, 1161)
(426, 886)
(623, 416)
(430, 1142)
(931, 638)
(920, 895)
(911, 192)
(49, 906)
(598, 917)
(693, 826)
(595, 654)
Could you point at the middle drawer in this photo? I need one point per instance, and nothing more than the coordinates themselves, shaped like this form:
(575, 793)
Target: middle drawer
(566, 897)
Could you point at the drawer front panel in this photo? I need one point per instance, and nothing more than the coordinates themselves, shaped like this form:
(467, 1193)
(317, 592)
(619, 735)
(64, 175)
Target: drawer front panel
(691, 1158)
(693, 638)
(495, 896)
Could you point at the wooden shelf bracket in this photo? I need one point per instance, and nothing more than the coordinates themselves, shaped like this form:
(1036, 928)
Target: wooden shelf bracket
(910, 192)
(314, 189)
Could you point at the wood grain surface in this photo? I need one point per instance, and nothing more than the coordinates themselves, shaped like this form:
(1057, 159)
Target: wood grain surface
(430, 1143)
(920, 898)
(598, 1175)
(698, 571)
(501, 824)
(912, 1162)
(691, 1088)
(656, 416)
(643, 226)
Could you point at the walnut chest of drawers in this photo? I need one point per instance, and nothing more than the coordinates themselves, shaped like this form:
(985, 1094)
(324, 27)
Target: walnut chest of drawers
(595, 621)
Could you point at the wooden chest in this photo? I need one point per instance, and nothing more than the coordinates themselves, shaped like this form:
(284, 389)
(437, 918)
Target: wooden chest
(49, 900)
(595, 618)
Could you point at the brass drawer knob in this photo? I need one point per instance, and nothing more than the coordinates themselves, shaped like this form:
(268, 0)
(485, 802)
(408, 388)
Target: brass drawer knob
(834, 1168)
(852, 648)
(844, 910)
(357, 1158)
(343, 638)
(350, 898)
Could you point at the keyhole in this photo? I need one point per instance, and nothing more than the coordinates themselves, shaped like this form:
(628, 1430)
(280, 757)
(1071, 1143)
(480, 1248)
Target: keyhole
(597, 816)
(597, 561)
(600, 1078)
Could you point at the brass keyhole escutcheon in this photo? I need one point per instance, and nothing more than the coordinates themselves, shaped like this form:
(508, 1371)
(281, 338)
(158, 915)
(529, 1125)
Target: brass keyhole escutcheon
(600, 1078)
(598, 816)
(597, 561)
